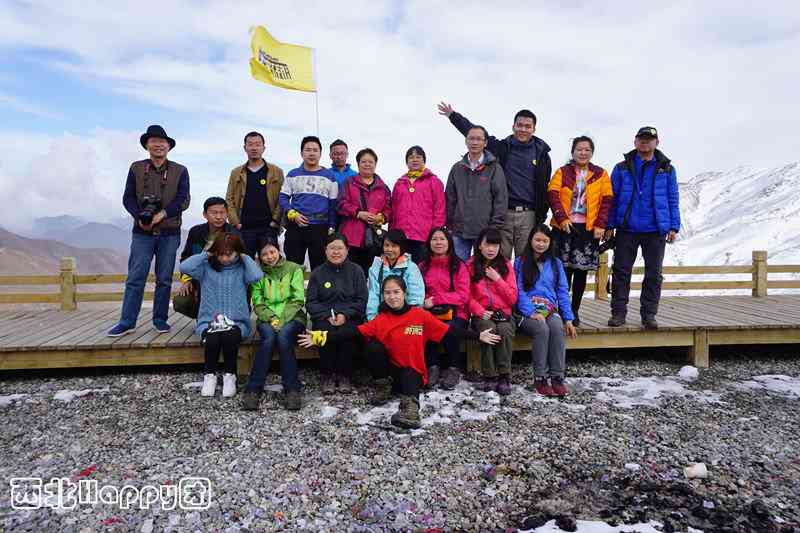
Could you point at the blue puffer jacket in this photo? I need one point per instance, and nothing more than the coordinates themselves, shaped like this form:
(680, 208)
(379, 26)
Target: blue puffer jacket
(664, 188)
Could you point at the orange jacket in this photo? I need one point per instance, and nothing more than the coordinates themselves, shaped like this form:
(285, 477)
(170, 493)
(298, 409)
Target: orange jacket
(599, 196)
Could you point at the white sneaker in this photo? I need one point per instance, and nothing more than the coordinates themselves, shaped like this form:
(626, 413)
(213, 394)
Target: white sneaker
(228, 385)
(209, 385)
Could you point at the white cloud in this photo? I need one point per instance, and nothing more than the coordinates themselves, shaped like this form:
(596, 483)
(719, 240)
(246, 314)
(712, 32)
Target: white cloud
(717, 79)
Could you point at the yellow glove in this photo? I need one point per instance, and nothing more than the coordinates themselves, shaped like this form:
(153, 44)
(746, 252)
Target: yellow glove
(275, 323)
(291, 215)
(379, 219)
(185, 278)
(319, 338)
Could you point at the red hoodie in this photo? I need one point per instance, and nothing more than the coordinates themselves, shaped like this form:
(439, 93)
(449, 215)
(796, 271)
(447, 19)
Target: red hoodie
(437, 284)
(416, 212)
(404, 336)
(501, 293)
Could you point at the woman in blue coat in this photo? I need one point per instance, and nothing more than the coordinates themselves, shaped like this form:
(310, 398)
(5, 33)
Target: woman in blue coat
(543, 301)
(224, 273)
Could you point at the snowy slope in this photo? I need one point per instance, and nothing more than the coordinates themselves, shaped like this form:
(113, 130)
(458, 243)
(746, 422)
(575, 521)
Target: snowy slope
(727, 215)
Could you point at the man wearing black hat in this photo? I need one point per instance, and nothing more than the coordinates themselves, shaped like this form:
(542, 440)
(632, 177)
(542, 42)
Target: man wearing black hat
(156, 193)
(646, 214)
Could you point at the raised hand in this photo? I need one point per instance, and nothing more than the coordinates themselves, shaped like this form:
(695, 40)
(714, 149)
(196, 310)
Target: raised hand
(445, 109)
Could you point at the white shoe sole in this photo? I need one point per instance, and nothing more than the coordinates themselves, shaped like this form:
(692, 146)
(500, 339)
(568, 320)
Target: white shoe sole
(115, 335)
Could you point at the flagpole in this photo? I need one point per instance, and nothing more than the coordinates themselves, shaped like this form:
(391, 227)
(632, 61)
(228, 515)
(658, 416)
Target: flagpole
(316, 92)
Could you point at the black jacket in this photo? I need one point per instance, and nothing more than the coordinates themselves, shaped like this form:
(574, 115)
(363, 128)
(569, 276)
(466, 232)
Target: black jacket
(541, 169)
(196, 240)
(341, 288)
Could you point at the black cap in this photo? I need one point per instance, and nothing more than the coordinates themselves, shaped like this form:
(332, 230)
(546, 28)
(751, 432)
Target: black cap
(647, 131)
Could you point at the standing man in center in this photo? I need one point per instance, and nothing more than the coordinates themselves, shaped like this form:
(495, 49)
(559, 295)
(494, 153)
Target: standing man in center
(252, 196)
(525, 159)
(308, 197)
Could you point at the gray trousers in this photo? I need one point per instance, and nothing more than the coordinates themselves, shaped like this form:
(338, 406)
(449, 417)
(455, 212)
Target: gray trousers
(496, 359)
(515, 231)
(549, 350)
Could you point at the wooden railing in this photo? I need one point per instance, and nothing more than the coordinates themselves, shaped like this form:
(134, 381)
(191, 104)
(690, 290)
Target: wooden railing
(69, 281)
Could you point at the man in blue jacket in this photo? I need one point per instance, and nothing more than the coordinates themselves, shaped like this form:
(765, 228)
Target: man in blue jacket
(646, 214)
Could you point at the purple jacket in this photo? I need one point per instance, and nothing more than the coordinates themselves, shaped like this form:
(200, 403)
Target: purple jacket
(378, 200)
(416, 212)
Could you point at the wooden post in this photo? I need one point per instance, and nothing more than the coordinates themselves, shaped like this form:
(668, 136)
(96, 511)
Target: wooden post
(69, 301)
(759, 273)
(699, 350)
(601, 278)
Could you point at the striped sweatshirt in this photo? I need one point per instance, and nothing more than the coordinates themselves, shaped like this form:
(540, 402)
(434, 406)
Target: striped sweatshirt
(311, 193)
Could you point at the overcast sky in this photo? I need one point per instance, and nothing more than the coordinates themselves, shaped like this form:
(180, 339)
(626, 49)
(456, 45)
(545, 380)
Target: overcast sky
(78, 85)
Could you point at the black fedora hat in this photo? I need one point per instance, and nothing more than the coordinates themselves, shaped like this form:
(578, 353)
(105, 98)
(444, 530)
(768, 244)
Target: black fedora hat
(156, 131)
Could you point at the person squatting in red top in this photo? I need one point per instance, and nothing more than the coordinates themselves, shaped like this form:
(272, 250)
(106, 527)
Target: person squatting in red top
(395, 348)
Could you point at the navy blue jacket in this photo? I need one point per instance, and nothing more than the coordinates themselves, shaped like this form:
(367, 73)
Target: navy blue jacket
(659, 182)
(527, 167)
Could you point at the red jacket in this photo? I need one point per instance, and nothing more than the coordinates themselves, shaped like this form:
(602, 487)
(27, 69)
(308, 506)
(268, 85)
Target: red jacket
(501, 293)
(404, 336)
(417, 212)
(437, 284)
(378, 200)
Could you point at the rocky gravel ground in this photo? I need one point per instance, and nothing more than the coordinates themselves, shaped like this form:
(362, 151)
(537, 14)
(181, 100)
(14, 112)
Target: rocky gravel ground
(612, 453)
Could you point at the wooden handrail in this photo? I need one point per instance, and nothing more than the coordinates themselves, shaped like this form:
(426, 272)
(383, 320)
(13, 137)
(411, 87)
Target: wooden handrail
(68, 281)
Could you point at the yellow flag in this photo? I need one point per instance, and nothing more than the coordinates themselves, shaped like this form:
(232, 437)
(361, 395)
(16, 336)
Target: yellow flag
(284, 65)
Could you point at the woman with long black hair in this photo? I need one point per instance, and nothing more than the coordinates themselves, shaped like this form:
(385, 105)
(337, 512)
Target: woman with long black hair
(544, 305)
(492, 295)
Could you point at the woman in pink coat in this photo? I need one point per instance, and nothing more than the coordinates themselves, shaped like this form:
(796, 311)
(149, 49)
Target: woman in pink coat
(446, 297)
(492, 295)
(418, 203)
(365, 204)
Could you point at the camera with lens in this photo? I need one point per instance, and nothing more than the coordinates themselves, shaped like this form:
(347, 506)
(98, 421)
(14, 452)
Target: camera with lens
(151, 206)
(499, 316)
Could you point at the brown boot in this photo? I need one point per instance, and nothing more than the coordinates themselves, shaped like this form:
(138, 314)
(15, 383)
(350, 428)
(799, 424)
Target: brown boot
(407, 416)
(381, 391)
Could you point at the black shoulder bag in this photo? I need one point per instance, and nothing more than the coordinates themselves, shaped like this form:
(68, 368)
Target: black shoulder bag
(373, 236)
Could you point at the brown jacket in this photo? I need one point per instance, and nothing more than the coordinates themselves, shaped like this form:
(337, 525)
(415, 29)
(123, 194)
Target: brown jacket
(237, 186)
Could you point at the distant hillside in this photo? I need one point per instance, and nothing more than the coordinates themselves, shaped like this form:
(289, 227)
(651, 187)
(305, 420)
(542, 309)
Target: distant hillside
(20, 255)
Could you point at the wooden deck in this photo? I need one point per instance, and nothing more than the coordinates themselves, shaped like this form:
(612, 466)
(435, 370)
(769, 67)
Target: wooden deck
(59, 339)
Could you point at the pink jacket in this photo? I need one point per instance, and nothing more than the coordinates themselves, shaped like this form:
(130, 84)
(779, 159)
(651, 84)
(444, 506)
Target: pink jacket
(378, 200)
(437, 284)
(502, 293)
(417, 212)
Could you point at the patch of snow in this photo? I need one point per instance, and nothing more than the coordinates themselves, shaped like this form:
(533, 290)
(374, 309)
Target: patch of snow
(193, 385)
(328, 411)
(8, 399)
(646, 391)
(688, 373)
(592, 526)
(69, 395)
(633, 467)
(786, 385)
(274, 388)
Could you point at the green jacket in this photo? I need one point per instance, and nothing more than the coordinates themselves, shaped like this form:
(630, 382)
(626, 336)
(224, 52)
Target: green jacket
(280, 293)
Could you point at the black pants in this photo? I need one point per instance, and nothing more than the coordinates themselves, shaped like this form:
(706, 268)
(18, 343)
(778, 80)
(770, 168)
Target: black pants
(452, 348)
(336, 357)
(252, 236)
(363, 257)
(311, 239)
(226, 342)
(406, 380)
(628, 244)
(416, 249)
(576, 280)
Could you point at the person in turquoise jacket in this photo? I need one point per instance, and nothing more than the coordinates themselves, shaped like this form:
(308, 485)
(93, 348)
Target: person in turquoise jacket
(394, 261)
(544, 305)
(224, 272)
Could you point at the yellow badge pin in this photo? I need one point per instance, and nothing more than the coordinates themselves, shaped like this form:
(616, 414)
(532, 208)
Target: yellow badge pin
(328, 284)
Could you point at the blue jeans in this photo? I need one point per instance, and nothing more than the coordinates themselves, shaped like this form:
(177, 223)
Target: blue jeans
(463, 247)
(286, 338)
(143, 248)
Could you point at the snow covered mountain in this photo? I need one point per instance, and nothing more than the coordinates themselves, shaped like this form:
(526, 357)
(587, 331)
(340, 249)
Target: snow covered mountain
(726, 215)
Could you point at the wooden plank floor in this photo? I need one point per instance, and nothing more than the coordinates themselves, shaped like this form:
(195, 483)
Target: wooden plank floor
(53, 339)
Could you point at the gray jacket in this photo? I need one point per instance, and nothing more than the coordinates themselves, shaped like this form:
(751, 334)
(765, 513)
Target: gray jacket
(476, 198)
